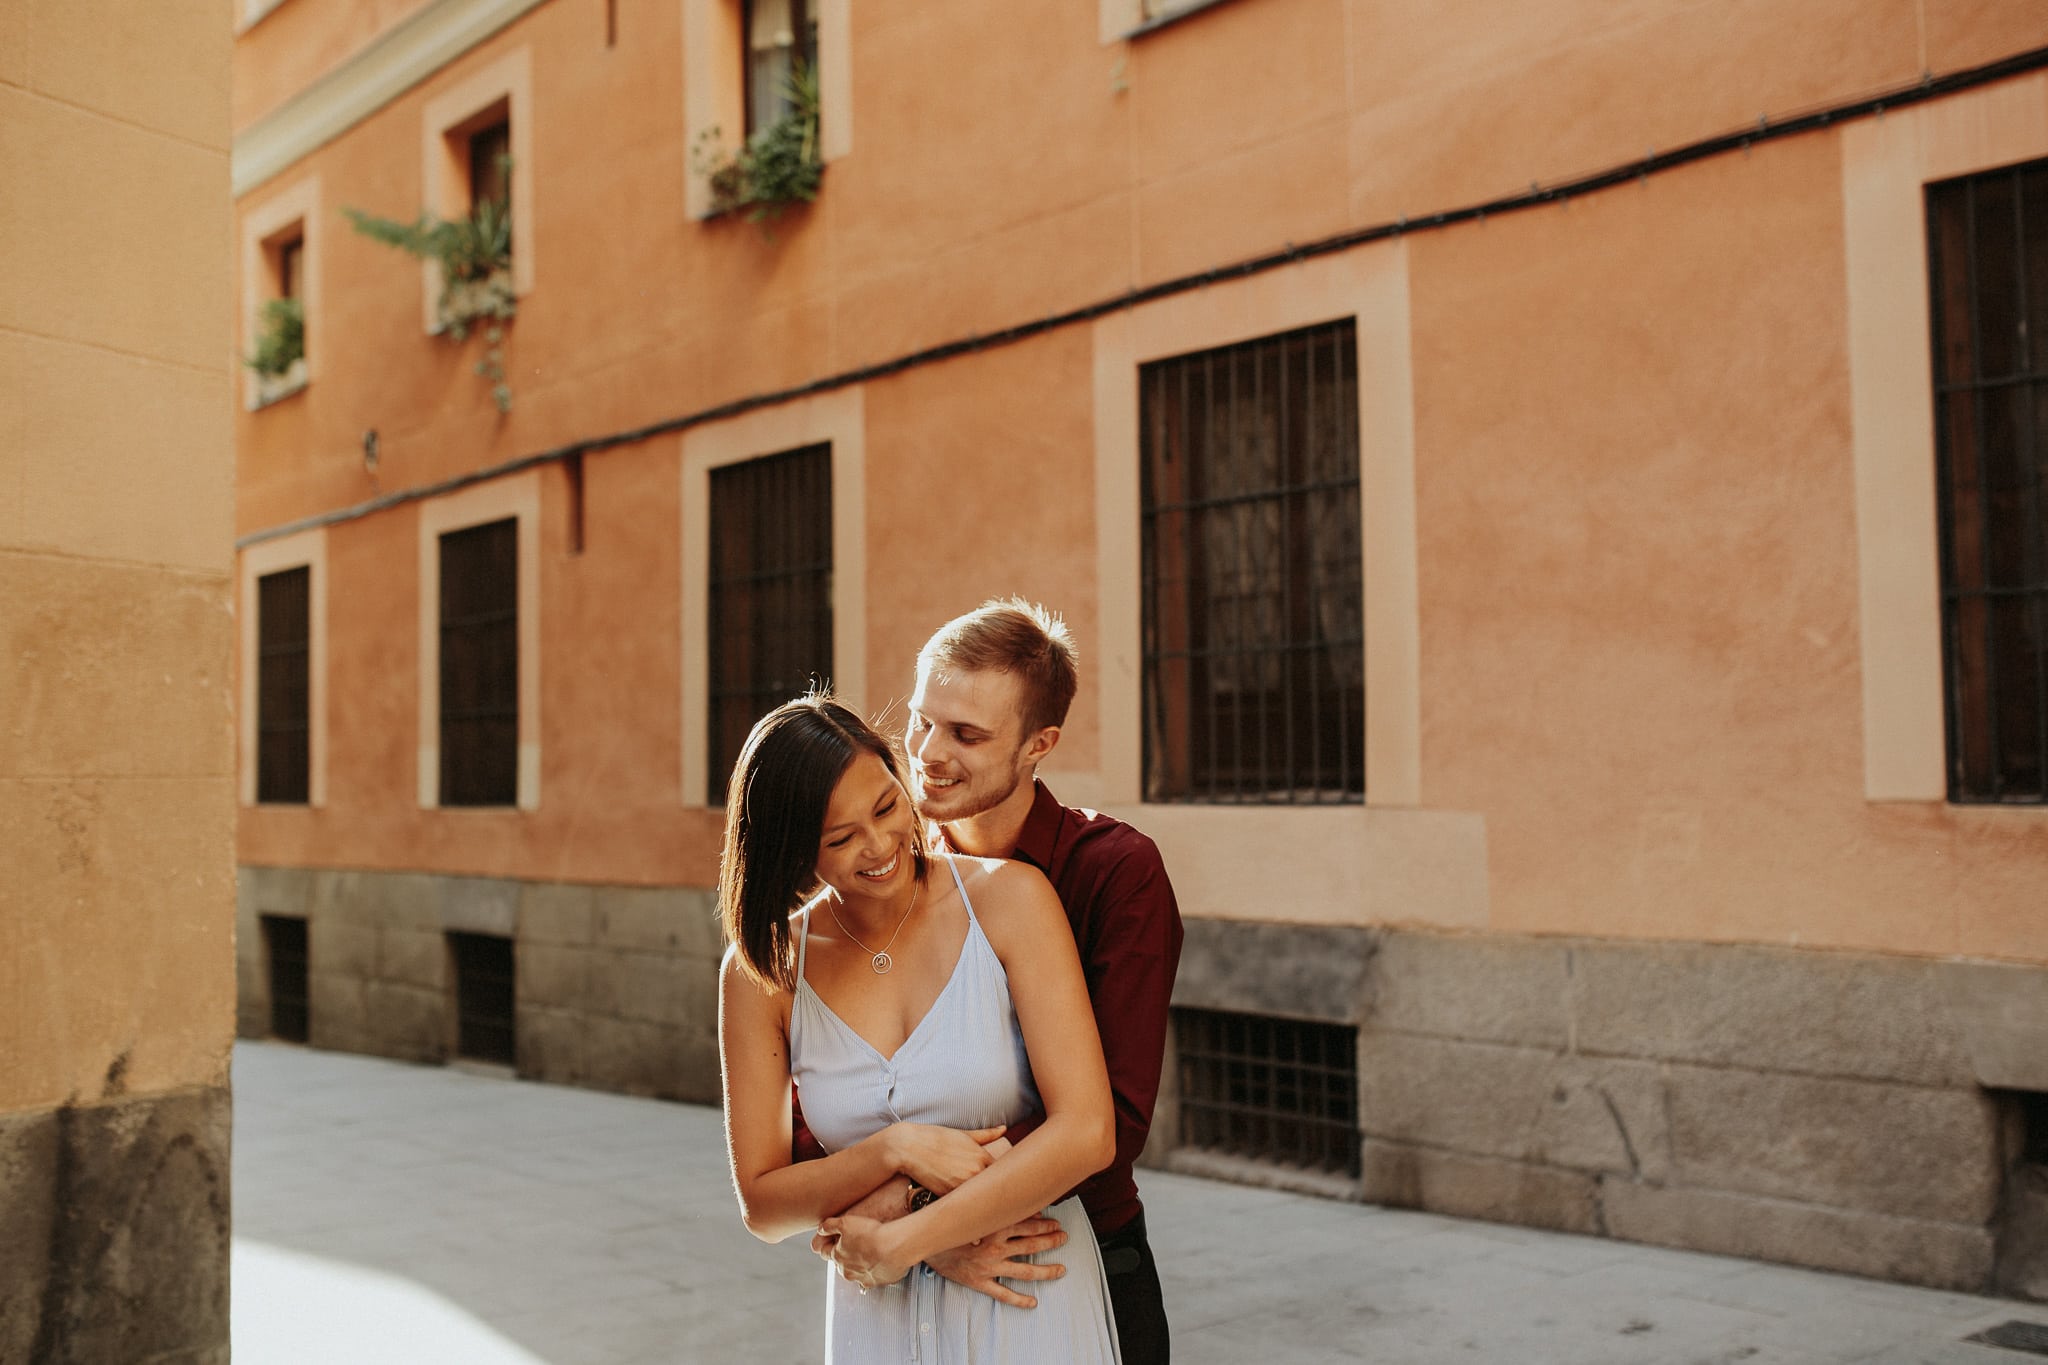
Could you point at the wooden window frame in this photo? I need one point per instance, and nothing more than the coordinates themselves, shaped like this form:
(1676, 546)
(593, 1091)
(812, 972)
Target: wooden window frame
(498, 92)
(305, 550)
(517, 497)
(1263, 704)
(806, 565)
(1994, 581)
(838, 419)
(291, 214)
(715, 84)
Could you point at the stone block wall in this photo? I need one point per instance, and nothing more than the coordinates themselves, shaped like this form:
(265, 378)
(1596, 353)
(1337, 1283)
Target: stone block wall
(1823, 1109)
(616, 987)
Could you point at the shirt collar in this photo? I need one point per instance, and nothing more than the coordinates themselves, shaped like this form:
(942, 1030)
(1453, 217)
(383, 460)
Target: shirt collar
(1041, 830)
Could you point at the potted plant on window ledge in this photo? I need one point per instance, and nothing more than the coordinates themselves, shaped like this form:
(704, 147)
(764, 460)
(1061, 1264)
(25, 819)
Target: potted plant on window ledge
(279, 360)
(475, 257)
(777, 167)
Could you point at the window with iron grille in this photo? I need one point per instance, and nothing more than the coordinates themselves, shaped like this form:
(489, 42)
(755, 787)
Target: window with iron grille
(1278, 1090)
(479, 630)
(1253, 600)
(284, 945)
(485, 997)
(283, 682)
(1988, 260)
(770, 593)
(1987, 240)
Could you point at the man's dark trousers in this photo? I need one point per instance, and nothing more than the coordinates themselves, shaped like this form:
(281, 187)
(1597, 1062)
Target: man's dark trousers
(1134, 1295)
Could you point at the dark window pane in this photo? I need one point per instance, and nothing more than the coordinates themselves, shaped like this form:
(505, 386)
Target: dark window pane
(486, 997)
(284, 944)
(290, 253)
(770, 594)
(1253, 596)
(490, 164)
(479, 683)
(1988, 272)
(283, 685)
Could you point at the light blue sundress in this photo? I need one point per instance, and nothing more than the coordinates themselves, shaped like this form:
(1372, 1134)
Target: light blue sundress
(963, 1066)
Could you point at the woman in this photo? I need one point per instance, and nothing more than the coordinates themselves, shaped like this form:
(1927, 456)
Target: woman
(920, 1006)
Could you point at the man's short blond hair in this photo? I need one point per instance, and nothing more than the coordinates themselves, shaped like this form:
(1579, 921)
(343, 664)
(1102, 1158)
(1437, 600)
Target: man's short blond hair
(1011, 635)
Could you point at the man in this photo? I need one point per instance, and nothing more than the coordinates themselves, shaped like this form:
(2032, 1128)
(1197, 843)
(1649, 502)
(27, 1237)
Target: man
(993, 688)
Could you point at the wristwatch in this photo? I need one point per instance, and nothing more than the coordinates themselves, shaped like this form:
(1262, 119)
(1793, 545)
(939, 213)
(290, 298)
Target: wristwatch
(919, 1196)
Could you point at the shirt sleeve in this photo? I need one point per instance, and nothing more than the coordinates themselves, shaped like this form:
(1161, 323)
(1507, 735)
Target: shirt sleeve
(1129, 954)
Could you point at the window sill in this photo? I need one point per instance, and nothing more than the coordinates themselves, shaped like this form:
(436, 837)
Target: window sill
(1171, 17)
(266, 389)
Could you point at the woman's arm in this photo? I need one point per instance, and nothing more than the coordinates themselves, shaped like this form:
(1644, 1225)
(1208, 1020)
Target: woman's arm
(1022, 918)
(778, 1198)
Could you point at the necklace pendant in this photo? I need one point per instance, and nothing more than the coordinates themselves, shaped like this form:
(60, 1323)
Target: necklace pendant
(882, 962)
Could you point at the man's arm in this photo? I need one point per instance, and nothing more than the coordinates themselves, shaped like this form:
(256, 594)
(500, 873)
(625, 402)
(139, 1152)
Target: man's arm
(1129, 953)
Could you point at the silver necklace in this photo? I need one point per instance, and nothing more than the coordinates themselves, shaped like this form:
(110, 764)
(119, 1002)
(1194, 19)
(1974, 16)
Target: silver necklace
(881, 961)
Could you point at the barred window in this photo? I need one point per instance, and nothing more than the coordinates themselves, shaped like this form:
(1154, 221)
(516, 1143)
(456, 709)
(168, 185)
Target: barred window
(1277, 1090)
(283, 674)
(1253, 597)
(1988, 261)
(486, 995)
(770, 594)
(284, 944)
(480, 665)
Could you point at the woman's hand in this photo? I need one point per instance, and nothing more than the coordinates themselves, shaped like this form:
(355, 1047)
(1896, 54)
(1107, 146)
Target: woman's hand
(861, 1248)
(941, 1158)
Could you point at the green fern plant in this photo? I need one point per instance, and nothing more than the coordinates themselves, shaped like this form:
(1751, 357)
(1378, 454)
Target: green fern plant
(280, 338)
(777, 167)
(475, 256)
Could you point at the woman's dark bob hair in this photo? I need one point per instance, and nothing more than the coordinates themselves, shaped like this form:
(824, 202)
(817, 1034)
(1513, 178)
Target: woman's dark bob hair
(774, 817)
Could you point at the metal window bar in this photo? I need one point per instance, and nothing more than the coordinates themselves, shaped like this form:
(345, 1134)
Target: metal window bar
(770, 594)
(479, 681)
(1254, 687)
(485, 998)
(283, 673)
(1988, 272)
(284, 945)
(1277, 1090)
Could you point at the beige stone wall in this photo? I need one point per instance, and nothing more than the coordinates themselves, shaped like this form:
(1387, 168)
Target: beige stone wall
(116, 804)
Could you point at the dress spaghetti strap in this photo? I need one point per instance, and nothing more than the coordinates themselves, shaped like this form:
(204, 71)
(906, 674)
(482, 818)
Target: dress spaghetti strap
(960, 886)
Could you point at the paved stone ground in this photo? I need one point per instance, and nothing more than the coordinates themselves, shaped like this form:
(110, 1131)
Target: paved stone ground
(394, 1213)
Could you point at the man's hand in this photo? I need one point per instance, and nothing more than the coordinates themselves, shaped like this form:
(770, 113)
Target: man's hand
(887, 1201)
(1000, 1254)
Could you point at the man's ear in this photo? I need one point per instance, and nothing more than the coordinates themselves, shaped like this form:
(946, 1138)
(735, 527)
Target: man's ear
(1039, 745)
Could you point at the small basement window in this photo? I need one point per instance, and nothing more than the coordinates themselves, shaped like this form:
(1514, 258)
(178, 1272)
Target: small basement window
(484, 994)
(1269, 1089)
(284, 947)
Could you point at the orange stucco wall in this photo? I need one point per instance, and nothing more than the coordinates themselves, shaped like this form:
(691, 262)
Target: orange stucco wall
(1635, 522)
(116, 758)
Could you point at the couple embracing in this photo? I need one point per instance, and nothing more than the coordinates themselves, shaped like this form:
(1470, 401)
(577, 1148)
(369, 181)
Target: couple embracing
(966, 984)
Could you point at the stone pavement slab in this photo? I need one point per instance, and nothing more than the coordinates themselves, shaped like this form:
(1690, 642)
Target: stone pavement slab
(394, 1213)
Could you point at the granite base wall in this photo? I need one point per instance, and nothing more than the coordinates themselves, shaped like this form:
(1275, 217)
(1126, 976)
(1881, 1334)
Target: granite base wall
(117, 1231)
(616, 987)
(1836, 1110)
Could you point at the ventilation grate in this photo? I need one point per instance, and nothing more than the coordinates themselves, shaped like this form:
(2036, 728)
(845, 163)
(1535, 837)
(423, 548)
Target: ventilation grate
(485, 995)
(2031, 1337)
(1277, 1090)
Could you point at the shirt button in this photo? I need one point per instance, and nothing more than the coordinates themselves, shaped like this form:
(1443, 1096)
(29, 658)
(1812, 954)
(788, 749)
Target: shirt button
(925, 1328)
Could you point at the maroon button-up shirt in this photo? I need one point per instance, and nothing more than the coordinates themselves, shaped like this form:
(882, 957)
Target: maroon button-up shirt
(1127, 926)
